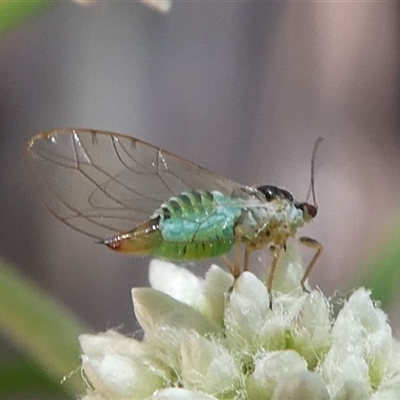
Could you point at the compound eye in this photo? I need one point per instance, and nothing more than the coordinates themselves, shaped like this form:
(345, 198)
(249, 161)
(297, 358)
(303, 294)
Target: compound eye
(309, 209)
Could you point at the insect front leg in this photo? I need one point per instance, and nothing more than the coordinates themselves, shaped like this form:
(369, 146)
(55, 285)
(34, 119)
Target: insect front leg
(312, 243)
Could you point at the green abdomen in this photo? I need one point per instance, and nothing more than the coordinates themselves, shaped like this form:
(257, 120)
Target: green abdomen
(196, 225)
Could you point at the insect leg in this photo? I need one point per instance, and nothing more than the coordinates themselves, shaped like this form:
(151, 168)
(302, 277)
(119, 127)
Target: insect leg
(232, 266)
(312, 243)
(275, 251)
(247, 252)
(237, 256)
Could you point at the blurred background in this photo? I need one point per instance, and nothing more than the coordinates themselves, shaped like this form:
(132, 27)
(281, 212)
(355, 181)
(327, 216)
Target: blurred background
(242, 88)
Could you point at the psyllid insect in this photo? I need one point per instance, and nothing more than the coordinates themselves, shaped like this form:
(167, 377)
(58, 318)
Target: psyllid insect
(139, 199)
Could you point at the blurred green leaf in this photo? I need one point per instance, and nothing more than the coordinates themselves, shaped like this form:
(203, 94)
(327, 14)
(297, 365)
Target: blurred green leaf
(382, 271)
(39, 326)
(14, 12)
(26, 378)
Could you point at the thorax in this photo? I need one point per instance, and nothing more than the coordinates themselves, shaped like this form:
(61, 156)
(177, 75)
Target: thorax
(267, 223)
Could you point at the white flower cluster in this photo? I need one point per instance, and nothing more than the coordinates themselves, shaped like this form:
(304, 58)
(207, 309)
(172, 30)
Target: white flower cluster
(206, 340)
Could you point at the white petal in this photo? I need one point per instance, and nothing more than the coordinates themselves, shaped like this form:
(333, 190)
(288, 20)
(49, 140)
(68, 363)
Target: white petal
(352, 391)
(175, 281)
(157, 311)
(361, 344)
(340, 366)
(280, 323)
(270, 368)
(180, 394)
(166, 321)
(289, 271)
(386, 395)
(96, 347)
(359, 316)
(303, 385)
(311, 336)
(208, 367)
(111, 342)
(116, 376)
(116, 365)
(216, 287)
(391, 378)
(206, 295)
(246, 313)
(251, 325)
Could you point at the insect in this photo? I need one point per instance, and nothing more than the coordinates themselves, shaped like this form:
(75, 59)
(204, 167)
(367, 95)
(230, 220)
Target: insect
(139, 199)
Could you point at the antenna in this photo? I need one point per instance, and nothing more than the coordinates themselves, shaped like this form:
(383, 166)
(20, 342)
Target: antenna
(311, 190)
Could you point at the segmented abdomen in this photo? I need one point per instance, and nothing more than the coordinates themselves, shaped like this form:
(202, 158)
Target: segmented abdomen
(196, 225)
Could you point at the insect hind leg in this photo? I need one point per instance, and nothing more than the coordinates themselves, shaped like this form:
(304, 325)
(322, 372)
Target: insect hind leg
(317, 246)
(234, 266)
(275, 253)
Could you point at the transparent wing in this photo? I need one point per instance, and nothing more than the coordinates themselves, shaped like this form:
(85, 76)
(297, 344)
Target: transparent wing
(102, 183)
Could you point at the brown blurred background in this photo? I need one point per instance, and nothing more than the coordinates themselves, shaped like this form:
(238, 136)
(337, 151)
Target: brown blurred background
(241, 88)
